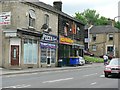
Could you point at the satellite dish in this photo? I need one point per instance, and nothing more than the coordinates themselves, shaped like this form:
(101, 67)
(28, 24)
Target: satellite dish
(44, 26)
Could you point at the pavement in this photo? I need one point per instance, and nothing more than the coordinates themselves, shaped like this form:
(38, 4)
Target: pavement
(4, 71)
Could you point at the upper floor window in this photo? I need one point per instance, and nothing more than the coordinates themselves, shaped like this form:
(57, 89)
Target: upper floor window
(32, 18)
(94, 47)
(94, 37)
(46, 19)
(110, 37)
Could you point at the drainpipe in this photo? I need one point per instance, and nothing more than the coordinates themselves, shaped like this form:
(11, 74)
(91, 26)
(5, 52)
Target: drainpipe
(89, 35)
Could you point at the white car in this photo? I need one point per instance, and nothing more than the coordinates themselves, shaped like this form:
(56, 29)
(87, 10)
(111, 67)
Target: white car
(81, 61)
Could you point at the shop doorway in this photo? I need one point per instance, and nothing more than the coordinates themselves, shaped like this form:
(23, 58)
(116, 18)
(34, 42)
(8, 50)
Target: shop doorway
(14, 54)
(48, 56)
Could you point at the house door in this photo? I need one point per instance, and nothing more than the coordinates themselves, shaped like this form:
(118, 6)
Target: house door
(14, 54)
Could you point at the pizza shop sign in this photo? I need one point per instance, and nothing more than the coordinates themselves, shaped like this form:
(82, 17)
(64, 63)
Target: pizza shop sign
(50, 38)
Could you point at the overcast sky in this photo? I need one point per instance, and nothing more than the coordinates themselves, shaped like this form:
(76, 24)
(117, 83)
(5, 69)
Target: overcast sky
(107, 8)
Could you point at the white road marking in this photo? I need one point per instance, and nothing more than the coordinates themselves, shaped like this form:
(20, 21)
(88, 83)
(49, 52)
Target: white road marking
(45, 72)
(11, 76)
(90, 74)
(34, 73)
(18, 86)
(102, 75)
(93, 83)
(57, 80)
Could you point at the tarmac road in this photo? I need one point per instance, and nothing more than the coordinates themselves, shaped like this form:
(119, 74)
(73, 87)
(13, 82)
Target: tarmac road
(91, 77)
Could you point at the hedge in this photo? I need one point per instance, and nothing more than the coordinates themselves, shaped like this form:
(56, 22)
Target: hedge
(93, 59)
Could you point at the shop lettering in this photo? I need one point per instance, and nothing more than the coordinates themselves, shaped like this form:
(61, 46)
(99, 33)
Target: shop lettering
(48, 45)
(66, 40)
(49, 38)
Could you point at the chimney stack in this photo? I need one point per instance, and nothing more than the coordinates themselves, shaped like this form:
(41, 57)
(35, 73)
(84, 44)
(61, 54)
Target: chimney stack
(57, 5)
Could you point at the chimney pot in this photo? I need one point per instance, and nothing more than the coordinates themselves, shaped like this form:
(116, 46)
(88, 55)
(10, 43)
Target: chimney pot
(57, 5)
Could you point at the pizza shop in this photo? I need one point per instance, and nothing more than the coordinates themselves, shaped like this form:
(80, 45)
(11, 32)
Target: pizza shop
(48, 48)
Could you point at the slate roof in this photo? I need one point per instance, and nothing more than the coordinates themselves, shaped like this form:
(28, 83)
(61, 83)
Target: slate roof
(103, 29)
(51, 8)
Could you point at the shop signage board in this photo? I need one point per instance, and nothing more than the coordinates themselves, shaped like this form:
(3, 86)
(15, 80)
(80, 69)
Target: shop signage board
(65, 40)
(47, 45)
(5, 18)
(49, 38)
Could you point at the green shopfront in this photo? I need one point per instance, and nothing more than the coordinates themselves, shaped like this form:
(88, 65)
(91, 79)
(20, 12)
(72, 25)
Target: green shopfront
(68, 48)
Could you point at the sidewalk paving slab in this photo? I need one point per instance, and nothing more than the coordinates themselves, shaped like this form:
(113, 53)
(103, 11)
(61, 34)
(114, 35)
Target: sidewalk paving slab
(33, 70)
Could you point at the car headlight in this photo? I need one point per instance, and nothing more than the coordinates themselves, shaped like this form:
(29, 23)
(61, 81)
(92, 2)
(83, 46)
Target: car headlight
(107, 68)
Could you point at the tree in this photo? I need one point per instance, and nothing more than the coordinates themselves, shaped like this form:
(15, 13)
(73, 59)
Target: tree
(88, 16)
(102, 21)
(117, 24)
(92, 17)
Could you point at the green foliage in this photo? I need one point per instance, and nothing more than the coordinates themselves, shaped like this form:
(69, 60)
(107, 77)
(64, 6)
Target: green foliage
(102, 21)
(93, 59)
(81, 17)
(88, 16)
(92, 17)
(117, 25)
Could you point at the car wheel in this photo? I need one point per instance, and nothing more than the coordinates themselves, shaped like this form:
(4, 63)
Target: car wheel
(106, 74)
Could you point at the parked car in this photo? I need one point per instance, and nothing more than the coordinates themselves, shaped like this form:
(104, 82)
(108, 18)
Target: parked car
(109, 56)
(88, 53)
(81, 61)
(113, 68)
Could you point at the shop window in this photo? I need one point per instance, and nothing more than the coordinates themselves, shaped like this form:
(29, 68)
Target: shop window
(47, 52)
(43, 55)
(30, 52)
(110, 37)
(32, 18)
(94, 48)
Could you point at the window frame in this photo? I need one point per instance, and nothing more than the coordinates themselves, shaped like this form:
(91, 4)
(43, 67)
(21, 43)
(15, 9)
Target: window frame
(32, 18)
(46, 19)
(94, 37)
(94, 48)
(110, 38)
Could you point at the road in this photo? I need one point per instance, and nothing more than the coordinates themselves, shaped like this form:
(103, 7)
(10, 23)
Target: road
(91, 77)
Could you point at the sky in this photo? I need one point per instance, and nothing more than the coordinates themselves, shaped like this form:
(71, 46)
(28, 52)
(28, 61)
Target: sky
(106, 8)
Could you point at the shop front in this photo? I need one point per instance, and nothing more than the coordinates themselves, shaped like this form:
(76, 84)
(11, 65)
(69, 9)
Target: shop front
(68, 48)
(21, 48)
(48, 48)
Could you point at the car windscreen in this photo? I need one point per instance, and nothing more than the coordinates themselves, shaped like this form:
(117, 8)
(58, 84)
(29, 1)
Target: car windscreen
(114, 62)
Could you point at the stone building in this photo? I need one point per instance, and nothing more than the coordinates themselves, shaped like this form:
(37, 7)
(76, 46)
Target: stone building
(70, 33)
(32, 31)
(30, 38)
(105, 40)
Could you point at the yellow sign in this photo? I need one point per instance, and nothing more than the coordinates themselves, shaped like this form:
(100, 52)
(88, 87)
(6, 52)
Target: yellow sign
(65, 40)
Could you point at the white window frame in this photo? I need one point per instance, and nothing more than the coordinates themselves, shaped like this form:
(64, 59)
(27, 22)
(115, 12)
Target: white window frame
(110, 46)
(26, 59)
(109, 37)
(94, 48)
(32, 18)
